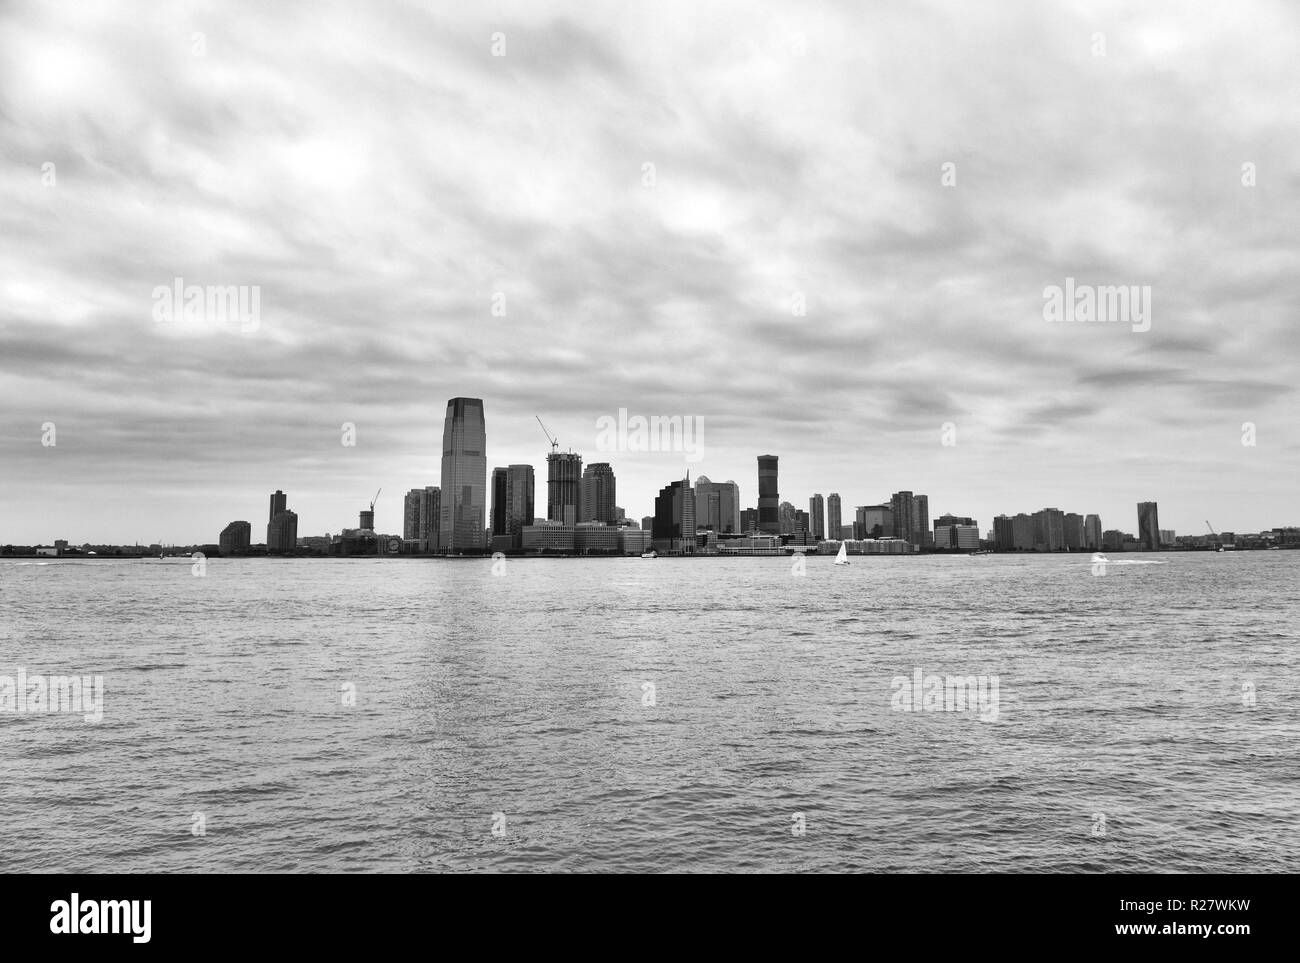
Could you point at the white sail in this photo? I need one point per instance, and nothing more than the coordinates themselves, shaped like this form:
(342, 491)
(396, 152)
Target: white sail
(843, 557)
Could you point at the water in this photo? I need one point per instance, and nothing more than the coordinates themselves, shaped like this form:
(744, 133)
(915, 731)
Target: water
(525, 695)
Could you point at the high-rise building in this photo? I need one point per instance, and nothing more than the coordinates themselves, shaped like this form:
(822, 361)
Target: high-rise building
(769, 502)
(1004, 539)
(282, 533)
(596, 498)
(498, 516)
(717, 505)
(521, 490)
(1022, 527)
(1092, 532)
(749, 521)
(1073, 531)
(563, 486)
(420, 512)
(833, 522)
(647, 523)
(463, 512)
(1168, 537)
(674, 522)
(954, 532)
(877, 521)
(903, 505)
(817, 511)
(1049, 530)
(786, 515)
(921, 521)
(278, 504)
(1148, 526)
(235, 538)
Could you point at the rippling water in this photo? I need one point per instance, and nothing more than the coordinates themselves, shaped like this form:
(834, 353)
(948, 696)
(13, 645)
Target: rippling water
(525, 695)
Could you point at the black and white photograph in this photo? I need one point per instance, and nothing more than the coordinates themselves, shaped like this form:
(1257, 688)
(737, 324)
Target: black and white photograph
(678, 438)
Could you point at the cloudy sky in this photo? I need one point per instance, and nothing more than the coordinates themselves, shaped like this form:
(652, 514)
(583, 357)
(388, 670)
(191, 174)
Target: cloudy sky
(387, 174)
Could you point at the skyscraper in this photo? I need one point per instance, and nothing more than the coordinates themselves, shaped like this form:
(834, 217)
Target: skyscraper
(464, 477)
(833, 515)
(521, 488)
(1148, 526)
(903, 505)
(1049, 530)
(282, 533)
(235, 538)
(1073, 531)
(1022, 530)
(563, 486)
(420, 513)
(1092, 532)
(278, 504)
(817, 512)
(1004, 539)
(499, 499)
(769, 502)
(674, 521)
(596, 498)
(921, 521)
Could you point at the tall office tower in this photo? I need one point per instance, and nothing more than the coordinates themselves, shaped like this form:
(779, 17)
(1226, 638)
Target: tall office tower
(235, 538)
(769, 502)
(860, 522)
(647, 523)
(282, 533)
(817, 512)
(1049, 530)
(800, 521)
(563, 486)
(463, 511)
(411, 515)
(1004, 539)
(674, 522)
(921, 519)
(877, 521)
(596, 498)
(1148, 526)
(903, 506)
(420, 512)
(717, 505)
(499, 500)
(366, 519)
(786, 516)
(277, 504)
(521, 489)
(1092, 532)
(833, 524)
(749, 521)
(1022, 528)
(1073, 531)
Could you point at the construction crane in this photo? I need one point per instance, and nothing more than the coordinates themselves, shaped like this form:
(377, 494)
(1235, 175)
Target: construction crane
(555, 444)
(373, 500)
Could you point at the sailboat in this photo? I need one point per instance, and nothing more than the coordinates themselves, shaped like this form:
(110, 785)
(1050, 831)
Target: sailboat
(843, 557)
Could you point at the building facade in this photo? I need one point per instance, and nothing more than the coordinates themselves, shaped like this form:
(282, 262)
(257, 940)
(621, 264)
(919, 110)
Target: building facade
(463, 516)
(817, 512)
(1148, 526)
(769, 502)
(235, 538)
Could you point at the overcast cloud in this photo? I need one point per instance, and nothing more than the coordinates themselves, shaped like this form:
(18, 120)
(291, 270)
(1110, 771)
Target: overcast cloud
(381, 175)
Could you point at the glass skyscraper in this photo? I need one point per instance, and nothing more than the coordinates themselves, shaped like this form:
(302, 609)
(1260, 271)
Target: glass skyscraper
(769, 502)
(464, 477)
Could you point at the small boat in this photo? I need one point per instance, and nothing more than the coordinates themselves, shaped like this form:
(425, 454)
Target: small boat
(982, 551)
(843, 557)
(649, 554)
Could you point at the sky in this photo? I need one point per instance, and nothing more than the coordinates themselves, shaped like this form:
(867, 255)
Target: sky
(825, 231)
